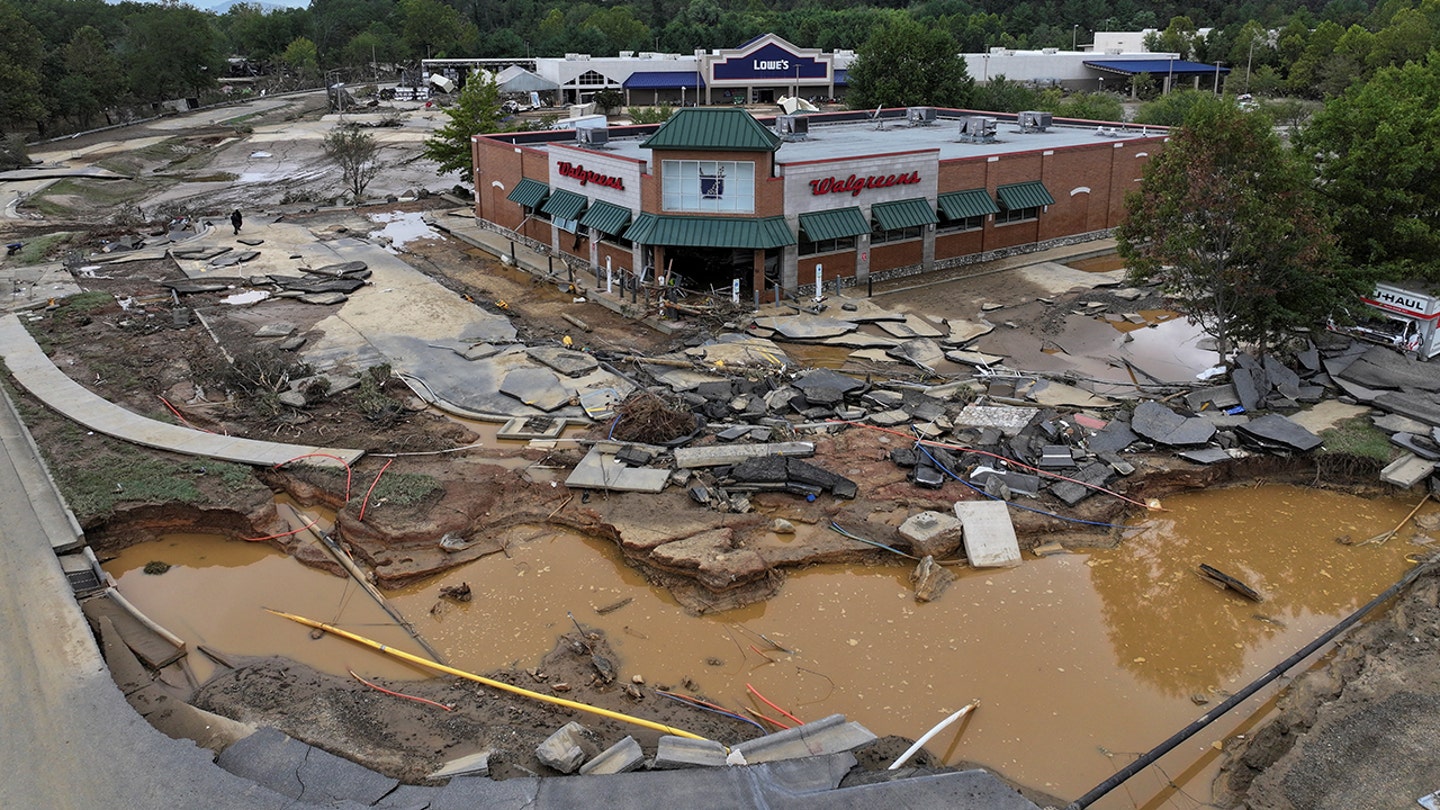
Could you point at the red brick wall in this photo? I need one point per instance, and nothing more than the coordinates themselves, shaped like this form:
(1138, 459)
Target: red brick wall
(837, 265)
(898, 254)
(619, 257)
(499, 162)
(950, 245)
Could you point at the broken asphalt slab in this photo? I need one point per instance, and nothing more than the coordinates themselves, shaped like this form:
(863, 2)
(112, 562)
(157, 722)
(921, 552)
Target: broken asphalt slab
(1383, 368)
(1273, 429)
(1164, 426)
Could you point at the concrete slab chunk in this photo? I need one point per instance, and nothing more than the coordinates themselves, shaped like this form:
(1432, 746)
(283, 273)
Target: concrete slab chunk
(806, 327)
(1419, 406)
(687, 458)
(567, 748)
(536, 387)
(277, 329)
(600, 470)
(622, 757)
(1272, 428)
(1407, 471)
(989, 535)
(563, 361)
(1160, 424)
(830, 735)
(933, 534)
(477, 764)
(683, 752)
(1009, 420)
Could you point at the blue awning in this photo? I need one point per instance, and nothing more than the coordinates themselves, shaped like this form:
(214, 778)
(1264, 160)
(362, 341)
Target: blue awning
(1156, 67)
(663, 80)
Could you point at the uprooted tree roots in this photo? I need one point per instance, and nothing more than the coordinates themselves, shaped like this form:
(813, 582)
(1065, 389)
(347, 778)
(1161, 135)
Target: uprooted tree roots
(649, 419)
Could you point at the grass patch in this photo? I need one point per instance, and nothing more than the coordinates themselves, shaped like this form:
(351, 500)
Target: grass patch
(217, 177)
(1358, 437)
(404, 489)
(111, 193)
(38, 249)
(120, 475)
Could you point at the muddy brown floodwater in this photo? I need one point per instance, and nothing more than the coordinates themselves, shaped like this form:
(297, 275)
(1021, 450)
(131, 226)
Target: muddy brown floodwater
(1081, 661)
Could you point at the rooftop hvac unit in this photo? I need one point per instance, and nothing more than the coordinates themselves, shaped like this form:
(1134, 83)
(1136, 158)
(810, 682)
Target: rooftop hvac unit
(792, 127)
(1035, 121)
(1050, 51)
(920, 116)
(592, 136)
(977, 129)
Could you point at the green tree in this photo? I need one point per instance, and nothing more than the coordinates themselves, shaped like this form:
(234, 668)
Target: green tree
(302, 57)
(357, 154)
(905, 64)
(171, 51)
(1227, 223)
(1171, 109)
(92, 79)
(21, 58)
(1377, 156)
(476, 111)
(609, 99)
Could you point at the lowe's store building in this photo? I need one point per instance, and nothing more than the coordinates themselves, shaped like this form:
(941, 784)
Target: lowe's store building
(717, 198)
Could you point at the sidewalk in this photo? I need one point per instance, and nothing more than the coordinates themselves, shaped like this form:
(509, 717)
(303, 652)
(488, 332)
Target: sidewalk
(38, 375)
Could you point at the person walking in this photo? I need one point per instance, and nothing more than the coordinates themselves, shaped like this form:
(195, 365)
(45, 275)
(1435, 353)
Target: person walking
(236, 220)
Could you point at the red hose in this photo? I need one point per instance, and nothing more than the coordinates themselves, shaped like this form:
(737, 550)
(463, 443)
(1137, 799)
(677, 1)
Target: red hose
(366, 502)
(757, 694)
(183, 420)
(401, 694)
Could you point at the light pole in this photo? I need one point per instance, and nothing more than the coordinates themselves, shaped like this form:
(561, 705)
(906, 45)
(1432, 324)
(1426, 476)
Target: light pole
(1218, 63)
(1074, 32)
(1249, 60)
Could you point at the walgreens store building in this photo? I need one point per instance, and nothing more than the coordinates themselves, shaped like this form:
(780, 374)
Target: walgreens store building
(716, 196)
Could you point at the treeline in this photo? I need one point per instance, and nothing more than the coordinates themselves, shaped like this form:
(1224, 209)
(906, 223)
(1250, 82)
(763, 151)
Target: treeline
(67, 64)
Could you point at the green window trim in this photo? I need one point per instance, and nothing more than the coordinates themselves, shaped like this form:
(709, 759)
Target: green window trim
(824, 226)
(1030, 194)
(896, 216)
(607, 218)
(564, 204)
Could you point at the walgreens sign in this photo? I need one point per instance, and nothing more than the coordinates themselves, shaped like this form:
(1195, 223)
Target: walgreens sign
(586, 177)
(854, 184)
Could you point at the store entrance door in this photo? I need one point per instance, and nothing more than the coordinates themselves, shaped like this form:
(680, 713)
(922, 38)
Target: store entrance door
(712, 270)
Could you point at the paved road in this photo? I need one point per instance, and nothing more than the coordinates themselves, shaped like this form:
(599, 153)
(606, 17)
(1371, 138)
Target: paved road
(68, 739)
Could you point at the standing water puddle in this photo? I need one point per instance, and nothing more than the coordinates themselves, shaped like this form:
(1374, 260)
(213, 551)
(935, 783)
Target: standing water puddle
(1081, 661)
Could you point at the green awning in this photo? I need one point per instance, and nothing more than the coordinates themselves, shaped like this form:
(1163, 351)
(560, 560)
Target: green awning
(720, 232)
(606, 217)
(1030, 194)
(564, 204)
(529, 193)
(893, 216)
(840, 224)
(975, 202)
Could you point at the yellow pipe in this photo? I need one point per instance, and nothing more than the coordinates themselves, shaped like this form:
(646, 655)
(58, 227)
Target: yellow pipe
(417, 660)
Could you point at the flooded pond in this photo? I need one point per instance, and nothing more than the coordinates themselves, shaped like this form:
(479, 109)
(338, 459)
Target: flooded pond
(1081, 661)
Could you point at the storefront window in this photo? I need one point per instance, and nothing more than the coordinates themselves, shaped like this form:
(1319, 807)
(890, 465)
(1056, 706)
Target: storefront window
(808, 248)
(715, 186)
(1016, 215)
(880, 237)
(568, 225)
(960, 225)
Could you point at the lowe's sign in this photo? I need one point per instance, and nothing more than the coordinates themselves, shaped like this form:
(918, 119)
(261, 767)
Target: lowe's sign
(770, 63)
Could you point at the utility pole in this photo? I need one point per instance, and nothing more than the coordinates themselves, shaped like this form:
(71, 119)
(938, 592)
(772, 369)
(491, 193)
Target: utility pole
(1074, 33)
(1218, 63)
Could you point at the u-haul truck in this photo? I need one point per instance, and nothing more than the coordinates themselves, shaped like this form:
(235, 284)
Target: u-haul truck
(1411, 319)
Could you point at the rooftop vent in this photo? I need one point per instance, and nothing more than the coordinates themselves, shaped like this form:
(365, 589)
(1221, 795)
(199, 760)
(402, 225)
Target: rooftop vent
(1035, 121)
(920, 116)
(792, 127)
(977, 129)
(592, 136)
